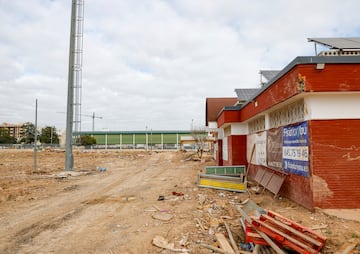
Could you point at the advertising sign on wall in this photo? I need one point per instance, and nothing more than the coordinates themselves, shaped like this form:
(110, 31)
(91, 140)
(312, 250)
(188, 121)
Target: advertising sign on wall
(274, 148)
(296, 149)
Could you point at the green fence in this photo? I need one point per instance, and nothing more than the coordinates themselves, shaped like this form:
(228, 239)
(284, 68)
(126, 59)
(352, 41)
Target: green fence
(138, 138)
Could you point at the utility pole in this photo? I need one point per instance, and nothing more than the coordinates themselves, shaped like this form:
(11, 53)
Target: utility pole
(74, 79)
(35, 138)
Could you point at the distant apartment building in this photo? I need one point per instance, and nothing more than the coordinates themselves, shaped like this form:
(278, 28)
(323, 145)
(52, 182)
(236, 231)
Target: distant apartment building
(14, 130)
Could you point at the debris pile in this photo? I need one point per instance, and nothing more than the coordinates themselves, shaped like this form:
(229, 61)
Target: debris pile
(260, 227)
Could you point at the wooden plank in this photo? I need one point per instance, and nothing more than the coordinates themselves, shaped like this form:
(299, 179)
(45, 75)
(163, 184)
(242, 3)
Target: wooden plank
(349, 248)
(270, 242)
(218, 250)
(224, 244)
(251, 157)
(232, 241)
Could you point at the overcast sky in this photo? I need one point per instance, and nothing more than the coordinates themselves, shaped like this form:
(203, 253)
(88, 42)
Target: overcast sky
(153, 63)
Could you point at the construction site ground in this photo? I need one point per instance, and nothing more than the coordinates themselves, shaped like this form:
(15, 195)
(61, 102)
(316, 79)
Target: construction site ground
(118, 201)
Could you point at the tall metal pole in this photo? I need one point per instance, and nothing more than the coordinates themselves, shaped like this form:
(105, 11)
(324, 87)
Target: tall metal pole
(35, 138)
(93, 123)
(69, 159)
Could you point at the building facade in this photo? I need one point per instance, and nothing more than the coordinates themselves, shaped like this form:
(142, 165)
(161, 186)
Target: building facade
(303, 124)
(14, 130)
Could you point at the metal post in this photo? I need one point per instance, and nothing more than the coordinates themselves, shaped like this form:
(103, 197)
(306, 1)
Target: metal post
(51, 134)
(151, 141)
(177, 140)
(120, 140)
(134, 141)
(93, 123)
(147, 139)
(69, 160)
(35, 138)
(162, 141)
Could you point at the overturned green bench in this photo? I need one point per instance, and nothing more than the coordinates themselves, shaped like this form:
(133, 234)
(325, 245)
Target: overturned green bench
(231, 178)
(226, 170)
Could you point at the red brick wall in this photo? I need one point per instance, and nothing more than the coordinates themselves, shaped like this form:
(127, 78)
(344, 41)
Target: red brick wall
(335, 77)
(281, 90)
(335, 163)
(298, 189)
(228, 116)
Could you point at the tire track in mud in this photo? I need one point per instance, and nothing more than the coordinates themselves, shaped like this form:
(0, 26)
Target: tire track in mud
(25, 235)
(53, 220)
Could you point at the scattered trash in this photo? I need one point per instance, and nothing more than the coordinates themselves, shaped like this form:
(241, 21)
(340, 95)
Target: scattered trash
(150, 210)
(202, 199)
(161, 242)
(101, 169)
(183, 241)
(66, 174)
(246, 246)
(129, 198)
(161, 198)
(199, 224)
(71, 187)
(177, 193)
(162, 216)
(221, 194)
(159, 209)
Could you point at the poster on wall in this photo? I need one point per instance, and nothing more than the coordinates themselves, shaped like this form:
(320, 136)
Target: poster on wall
(225, 153)
(274, 148)
(296, 149)
(260, 148)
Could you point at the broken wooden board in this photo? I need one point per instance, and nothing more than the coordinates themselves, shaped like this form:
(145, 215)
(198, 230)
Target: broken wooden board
(222, 182)
(223, 243)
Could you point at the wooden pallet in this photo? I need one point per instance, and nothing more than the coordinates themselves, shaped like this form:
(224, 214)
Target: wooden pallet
(284, 232)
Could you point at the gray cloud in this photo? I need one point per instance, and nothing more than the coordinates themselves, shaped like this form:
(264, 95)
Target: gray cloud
(153, 63)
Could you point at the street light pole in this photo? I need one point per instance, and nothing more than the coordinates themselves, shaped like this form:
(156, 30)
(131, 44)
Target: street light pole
(35, 138)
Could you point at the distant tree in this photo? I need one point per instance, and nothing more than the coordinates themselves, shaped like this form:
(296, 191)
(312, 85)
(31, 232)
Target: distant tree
(5, 137)
(86, 140)
(199, 135)
(29, 133)
(49, 135)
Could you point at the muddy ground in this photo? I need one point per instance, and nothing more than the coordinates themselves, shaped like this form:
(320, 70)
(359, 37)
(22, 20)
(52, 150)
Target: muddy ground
(118, 211)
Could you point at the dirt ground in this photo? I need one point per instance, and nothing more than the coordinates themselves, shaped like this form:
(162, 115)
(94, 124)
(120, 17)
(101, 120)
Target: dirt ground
(118, 211)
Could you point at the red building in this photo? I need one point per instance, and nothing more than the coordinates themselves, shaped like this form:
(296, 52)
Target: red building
(303, 124)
